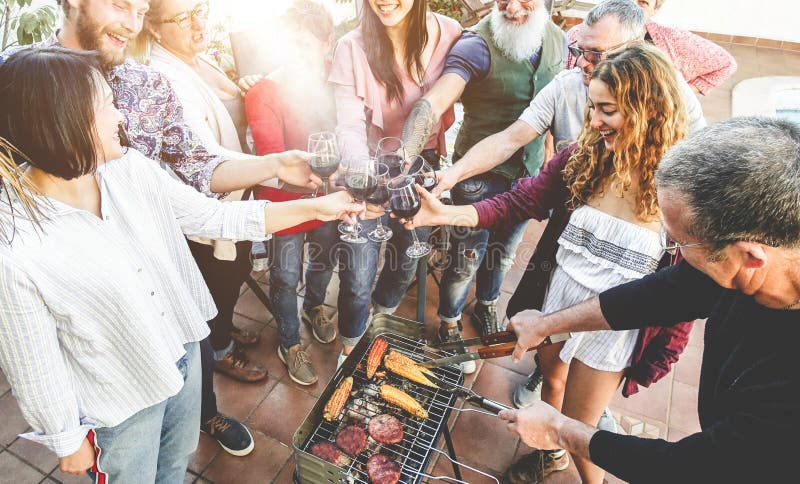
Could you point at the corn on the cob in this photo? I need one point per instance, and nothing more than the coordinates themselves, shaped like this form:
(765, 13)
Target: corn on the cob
(398, 397)
(336, 403)
(379, 347)
(406, 367)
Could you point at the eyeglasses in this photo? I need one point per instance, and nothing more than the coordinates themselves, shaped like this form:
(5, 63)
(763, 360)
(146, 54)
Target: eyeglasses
(593, 56)
(185, 19)
(671, 247)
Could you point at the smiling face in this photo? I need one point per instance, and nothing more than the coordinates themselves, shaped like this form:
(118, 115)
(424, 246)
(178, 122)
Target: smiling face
(391, 13)
(107, 26)
(107, 120)
(518, 12)
(604, 113)
(183, 41)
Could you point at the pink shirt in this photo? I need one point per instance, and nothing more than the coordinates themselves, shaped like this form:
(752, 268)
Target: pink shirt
(364, 113)
(703, 64)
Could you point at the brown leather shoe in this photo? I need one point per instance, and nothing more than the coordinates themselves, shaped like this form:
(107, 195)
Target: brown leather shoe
(236, 365)
(245, 337)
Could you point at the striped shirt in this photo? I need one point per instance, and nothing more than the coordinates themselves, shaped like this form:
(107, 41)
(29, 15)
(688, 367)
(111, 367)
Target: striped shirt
(95, 311)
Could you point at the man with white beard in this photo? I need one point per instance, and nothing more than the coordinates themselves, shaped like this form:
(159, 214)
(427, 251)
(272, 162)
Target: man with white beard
(495, 68)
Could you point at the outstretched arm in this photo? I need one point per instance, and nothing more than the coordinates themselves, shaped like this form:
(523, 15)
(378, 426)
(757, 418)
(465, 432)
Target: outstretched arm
(427, 112)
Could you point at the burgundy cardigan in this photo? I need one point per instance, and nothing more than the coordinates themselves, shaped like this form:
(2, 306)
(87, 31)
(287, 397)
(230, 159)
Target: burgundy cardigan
(546, 197)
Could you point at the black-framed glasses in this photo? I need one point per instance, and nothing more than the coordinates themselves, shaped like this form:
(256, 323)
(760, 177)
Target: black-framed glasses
(671, 247)
(593, 56)
(185, 19)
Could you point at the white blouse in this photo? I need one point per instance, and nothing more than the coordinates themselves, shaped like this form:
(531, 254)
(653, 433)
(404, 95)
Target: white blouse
(95, 311)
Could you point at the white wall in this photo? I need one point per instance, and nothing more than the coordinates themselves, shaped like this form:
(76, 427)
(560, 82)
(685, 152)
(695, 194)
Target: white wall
(766, 19)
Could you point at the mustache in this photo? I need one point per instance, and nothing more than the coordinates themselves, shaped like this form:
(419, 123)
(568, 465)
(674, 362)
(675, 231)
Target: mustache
(513, 16)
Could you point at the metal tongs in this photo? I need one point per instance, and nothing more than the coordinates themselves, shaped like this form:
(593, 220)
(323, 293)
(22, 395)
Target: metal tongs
(495, 345)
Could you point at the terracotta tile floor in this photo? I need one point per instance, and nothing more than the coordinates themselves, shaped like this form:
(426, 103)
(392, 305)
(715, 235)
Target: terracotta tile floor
(274, 409)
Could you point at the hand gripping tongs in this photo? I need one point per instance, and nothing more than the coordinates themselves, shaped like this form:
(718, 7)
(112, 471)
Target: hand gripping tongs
(494, 345)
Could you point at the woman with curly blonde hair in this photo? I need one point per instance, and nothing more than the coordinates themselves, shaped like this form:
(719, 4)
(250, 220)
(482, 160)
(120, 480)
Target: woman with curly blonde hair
(604, 230)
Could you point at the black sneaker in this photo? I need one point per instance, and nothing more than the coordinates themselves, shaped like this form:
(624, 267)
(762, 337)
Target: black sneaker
(485, 318)
(231, 434)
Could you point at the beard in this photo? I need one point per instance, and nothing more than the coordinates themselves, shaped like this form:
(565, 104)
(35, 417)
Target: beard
(518, 42)
(90, 35)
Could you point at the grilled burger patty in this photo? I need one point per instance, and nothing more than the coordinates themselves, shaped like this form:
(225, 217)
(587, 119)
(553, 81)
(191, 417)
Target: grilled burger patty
(382, 469)
(327, 451)
(385, 429)
(352, 440)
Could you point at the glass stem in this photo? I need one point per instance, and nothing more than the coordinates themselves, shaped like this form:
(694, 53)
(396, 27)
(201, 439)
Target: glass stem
(414, 235)
(325, 183)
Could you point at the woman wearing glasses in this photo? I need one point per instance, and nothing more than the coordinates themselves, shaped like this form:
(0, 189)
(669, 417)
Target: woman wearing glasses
(174, 42)
(603, 231)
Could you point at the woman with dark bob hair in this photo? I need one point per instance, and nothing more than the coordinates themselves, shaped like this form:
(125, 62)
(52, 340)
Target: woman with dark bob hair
(103, 305)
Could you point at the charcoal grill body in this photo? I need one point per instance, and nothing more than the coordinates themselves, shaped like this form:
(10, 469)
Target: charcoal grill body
(420, 436)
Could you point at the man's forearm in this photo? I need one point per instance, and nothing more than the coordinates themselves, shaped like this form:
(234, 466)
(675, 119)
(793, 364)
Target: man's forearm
(574, 436)
(494, 150)
(586, 316)
(237, 174)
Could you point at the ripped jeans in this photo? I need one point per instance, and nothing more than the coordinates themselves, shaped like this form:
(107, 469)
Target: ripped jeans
(489, 253)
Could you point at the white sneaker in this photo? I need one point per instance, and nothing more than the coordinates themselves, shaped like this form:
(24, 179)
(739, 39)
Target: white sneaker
(607, 422)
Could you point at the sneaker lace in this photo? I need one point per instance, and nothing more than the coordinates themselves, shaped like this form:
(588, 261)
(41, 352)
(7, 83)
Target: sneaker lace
(218, 423)
(301, 358)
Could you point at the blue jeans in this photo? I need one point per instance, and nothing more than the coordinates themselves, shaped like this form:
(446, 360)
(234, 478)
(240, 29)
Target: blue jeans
(357, 265)
(398, 269)
(286, 264)
(489, 253)
(154, 444)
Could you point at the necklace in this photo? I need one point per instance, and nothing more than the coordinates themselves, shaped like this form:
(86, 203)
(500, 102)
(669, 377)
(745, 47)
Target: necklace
(790, 306)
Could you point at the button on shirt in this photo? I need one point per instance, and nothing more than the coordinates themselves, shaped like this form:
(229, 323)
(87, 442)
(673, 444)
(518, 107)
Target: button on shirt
(96, 311)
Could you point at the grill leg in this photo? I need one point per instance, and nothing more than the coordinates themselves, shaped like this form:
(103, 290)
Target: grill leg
(452, 452)
(422, 286)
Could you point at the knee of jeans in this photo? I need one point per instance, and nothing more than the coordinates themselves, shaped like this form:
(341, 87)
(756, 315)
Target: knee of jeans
(467, 262)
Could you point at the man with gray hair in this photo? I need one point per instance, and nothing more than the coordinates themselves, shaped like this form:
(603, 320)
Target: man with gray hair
(730, 201)
(495, 68)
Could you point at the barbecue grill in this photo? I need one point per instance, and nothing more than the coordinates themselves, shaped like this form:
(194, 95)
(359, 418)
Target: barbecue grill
(420, 436)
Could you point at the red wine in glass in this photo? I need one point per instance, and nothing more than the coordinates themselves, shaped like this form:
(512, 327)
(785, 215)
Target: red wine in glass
(403, 207)
(361, 185)
(324, 165)
(394, 162)
(379, 196)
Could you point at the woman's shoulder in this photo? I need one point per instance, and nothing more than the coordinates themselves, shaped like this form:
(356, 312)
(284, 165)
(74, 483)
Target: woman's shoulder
(451, 29)
(354, 38)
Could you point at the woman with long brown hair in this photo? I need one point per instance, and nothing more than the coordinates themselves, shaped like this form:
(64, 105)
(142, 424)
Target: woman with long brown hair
(604, 230)
(380, 69)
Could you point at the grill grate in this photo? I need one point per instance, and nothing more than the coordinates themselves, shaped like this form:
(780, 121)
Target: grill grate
(419, 436)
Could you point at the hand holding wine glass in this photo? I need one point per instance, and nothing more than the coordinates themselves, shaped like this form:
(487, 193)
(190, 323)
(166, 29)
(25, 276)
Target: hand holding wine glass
(404, 201)
(380, 197)
(325, 156)
(360, 181)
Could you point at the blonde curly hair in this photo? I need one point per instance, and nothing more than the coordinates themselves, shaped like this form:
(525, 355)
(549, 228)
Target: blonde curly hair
(645, 85)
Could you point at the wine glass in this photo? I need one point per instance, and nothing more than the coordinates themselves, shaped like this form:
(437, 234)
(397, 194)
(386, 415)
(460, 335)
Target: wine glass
(360, 180)
(325, 157)
(392, 153)
(423, 173)
(379, 197)
(404, 202)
